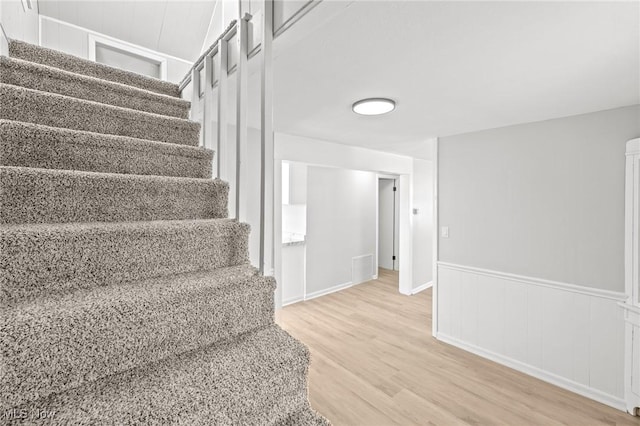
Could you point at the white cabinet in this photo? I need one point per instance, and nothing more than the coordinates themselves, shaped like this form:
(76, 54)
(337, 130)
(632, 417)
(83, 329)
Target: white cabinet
(632, 278)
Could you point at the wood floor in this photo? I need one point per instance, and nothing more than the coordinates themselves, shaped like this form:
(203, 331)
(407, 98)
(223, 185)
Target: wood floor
(374, 362)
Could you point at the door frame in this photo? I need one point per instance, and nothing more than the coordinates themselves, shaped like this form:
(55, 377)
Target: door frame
(405, 241)
(396, 219)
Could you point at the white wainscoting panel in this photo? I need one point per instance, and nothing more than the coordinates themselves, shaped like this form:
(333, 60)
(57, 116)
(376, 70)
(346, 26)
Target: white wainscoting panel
(565, 334)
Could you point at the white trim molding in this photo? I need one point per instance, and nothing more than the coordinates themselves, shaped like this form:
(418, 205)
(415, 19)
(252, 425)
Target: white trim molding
(631, 305)
(422, 287)
(562, 333)
(329, 290)
(589, 291)
(292, 301)
(536, 372)
(633, 147)
(436, 237)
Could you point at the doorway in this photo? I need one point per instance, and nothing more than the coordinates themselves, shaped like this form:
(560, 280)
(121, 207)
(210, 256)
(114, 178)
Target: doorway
(388, 223)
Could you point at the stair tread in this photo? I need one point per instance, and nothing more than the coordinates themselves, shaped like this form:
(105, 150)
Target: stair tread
(40, 146)
(55, 110)
(56, 59)
(152, 225)
(35, 195)
(41, 259)
(252, 379)
(41, 77)
(65, 340)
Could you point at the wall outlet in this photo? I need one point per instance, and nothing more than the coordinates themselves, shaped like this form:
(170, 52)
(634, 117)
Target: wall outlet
(445, 232)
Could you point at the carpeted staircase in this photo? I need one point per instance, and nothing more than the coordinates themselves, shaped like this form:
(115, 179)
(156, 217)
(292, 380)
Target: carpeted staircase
(127, 295)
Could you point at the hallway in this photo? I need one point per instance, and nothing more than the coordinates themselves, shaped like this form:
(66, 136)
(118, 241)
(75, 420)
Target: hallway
(374, 362)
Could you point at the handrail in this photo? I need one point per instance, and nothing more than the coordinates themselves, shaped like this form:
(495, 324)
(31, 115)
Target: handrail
(196, 65)
(4, 33)
(204, 101)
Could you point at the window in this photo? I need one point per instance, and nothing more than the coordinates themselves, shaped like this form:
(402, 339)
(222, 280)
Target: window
(127, 57)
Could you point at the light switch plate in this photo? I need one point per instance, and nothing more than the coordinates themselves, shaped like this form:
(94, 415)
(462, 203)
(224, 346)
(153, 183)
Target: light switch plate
(445, 232)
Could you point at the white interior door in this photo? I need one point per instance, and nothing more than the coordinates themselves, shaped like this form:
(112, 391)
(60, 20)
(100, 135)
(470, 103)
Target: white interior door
(387, 235)
(396, 225)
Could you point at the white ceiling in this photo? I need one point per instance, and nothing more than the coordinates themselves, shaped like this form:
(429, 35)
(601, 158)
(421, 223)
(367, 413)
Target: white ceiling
(455, 67)
(174, 27)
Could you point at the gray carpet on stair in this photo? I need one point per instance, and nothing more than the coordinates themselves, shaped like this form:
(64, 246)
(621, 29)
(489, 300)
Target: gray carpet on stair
(126, 294)
(56, 59)
(150, 320)
(237, 382)
(33, 145)
(49, 79)
(306, 416)
(52, 109)
(59, 196)
(42, 259)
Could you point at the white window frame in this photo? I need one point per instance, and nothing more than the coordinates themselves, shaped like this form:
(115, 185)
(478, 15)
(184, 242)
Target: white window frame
(127, 48)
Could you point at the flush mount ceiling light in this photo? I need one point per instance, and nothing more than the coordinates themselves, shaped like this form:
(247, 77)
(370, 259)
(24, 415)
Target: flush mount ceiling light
(374, 106)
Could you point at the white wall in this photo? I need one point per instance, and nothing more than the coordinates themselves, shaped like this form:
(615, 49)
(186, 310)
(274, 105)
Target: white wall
(319, 152)
(542, 199)
(323, 153)
(298, 183)
(74, 40)
(341, 224)
(422, 223)
(532, 273)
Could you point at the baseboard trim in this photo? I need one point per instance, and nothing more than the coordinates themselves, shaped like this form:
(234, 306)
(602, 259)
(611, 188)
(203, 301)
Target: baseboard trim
(538, 373)
(422, 287)
(329, 290)
(292, 301)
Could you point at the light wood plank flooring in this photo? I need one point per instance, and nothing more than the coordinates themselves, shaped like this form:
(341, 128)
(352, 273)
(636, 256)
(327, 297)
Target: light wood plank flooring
(374, 362)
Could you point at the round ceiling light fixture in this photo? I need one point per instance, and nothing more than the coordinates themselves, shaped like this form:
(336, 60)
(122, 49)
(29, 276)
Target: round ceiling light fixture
(374, 106)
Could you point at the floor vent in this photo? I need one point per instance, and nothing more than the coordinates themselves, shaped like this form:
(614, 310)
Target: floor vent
(361, 268)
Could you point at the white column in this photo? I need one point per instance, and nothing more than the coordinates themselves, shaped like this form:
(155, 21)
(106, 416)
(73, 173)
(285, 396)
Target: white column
(207, 103)
(221, 150)
(195, 100)
(241, 116)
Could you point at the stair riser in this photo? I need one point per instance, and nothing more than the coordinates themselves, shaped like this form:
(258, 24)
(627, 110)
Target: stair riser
(54, 110)
(281, 394)
(247, 381)
(29, 52)
(39, 259)
(54, 196)
(30, 145)
(147, 327)
(52, 80)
